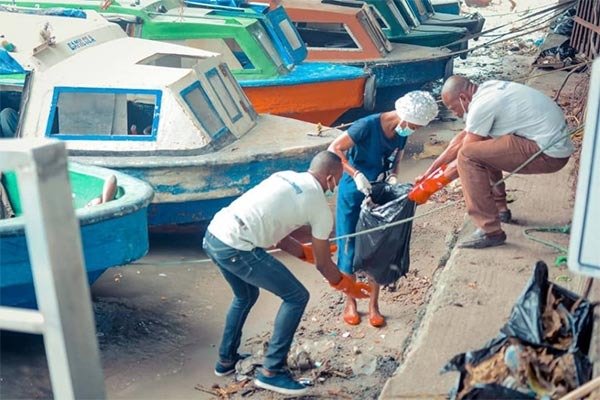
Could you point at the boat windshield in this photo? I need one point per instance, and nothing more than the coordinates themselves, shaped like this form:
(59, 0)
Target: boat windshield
(203, 109)
(266, 42)
(407, 13)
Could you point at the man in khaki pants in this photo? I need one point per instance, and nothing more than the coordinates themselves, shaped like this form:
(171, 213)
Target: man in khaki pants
(505, 124)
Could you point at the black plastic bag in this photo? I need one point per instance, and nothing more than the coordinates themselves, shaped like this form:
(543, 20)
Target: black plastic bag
(525, 324)
(583, 372)
(525, 320)
(563, 25)
(384, 254)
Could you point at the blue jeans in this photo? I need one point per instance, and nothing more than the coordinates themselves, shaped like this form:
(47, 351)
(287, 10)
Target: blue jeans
(347, 212)
(246, 271)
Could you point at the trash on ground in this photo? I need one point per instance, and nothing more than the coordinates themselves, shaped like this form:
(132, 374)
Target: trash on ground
(540, 352)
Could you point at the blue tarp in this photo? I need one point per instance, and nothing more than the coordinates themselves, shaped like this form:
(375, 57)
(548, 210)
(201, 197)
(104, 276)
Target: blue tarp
(57, 12)
(8, 65)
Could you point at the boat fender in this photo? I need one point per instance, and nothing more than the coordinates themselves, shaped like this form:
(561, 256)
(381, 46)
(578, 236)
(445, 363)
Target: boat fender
(370, 92)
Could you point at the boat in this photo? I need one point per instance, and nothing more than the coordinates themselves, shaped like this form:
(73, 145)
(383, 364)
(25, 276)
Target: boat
(428, 16)
(446, 6)
(112, 234)
(352, 36)
(273, 19)
(171, 115)
(398, 23)
(274, 85)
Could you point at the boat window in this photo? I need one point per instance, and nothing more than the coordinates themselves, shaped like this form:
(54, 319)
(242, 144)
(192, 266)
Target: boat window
(223, 94)
(243, 99)
(290, 34)
(407, 13)
(99, 113)
(398, 16)
(420, 7)
(265, 40)
(10, 100)
(202, 108)
(229, 48)
(369, 22)
(328, 35)
(171, 60)
(380, 20)
(239, 53)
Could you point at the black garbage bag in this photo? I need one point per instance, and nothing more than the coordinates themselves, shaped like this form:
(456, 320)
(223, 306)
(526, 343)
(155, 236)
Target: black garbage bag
(563, 51)
(563, 25)
(384, 254)
(578, 363)
(546, 318)
(528, 316)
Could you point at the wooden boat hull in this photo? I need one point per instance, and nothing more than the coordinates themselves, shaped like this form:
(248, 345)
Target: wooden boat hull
(316, 101)
(112, 234)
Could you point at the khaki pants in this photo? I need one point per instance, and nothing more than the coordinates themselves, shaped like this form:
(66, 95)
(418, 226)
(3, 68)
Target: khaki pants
(480, 164)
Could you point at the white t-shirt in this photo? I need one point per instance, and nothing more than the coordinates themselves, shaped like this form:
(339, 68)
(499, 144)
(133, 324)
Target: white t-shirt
(502, 108)
(272, 210)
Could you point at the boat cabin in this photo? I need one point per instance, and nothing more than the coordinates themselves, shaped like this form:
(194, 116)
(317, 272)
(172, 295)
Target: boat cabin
(152, 97)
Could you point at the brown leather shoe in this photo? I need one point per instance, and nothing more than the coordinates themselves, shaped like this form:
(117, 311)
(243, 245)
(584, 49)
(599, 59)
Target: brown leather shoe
(480, 240)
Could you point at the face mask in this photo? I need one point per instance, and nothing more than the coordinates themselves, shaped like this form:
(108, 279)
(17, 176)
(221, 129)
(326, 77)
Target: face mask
(331, 190)
(464, 117)
(406, 131)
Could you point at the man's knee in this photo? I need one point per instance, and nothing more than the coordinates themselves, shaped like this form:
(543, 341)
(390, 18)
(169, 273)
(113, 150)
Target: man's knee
(464, 155)
(300, 296)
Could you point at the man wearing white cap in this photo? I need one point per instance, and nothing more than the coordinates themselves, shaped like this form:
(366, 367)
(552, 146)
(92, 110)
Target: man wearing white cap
(368, 149)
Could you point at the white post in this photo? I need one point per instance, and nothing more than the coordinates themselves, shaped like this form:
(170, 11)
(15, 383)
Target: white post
(55, 251)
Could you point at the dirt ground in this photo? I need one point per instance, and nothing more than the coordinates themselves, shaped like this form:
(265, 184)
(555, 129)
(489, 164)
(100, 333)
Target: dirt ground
(159, 320)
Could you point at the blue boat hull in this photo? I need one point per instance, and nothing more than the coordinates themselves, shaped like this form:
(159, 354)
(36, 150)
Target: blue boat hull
(105, 244)
(112, 234)
(215, 186)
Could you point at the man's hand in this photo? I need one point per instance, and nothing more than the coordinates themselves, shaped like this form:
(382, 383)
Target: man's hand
(309, 255)
(362, 183)
(421, 192)
(392, 179)
(357, 290)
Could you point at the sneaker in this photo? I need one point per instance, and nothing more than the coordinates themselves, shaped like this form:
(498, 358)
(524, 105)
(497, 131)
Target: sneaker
(281, 383)
(224, 370)
(480, 240)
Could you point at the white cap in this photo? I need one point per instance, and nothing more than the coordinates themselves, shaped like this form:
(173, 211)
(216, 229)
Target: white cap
(417, 107)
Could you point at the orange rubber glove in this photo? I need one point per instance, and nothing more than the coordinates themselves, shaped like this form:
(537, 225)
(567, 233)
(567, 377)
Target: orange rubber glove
(357, 290)
(423, 190)
(309, 256)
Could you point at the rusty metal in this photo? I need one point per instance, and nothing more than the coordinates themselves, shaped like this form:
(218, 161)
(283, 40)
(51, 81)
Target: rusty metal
(586, 31)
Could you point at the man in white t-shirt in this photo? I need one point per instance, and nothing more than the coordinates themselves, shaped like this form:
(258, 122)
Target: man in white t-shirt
(506, 124)
(236, 240)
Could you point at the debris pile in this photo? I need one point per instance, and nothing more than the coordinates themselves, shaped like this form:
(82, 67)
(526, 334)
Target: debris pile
(540, 352)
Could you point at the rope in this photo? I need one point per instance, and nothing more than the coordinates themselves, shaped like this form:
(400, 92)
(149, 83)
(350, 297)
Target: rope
(566, 229)
(400, 222)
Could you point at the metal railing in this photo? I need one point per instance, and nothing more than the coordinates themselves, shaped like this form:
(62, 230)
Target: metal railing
(586, 31)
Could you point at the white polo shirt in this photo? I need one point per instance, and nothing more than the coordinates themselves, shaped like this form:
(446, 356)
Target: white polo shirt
(502, 108)
(272, 210)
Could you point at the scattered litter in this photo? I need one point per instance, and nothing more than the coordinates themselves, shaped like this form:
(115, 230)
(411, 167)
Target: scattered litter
(346, 334)
(540, 352)
(163, 275)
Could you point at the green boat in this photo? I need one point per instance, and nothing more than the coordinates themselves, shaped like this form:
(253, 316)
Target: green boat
(400, 25)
